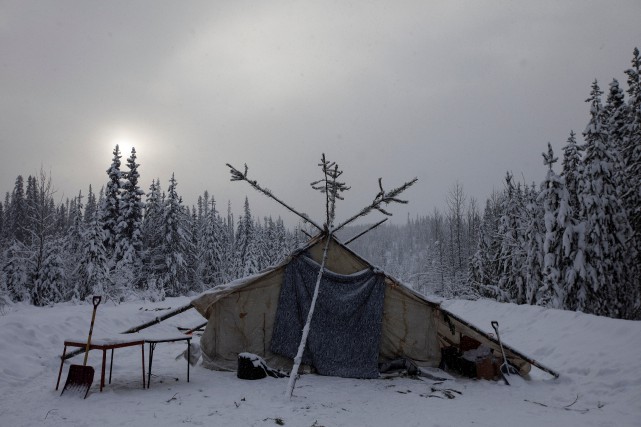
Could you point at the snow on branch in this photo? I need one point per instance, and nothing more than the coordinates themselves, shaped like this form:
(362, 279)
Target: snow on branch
(381, 198)
(237, 175)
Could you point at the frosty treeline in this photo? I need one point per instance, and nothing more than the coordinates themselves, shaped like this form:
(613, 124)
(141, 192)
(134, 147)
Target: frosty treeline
(574, 241)
(430, 252)
(123, 243)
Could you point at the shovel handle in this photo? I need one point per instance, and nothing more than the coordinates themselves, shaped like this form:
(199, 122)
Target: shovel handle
(495, 325)
(96, 300)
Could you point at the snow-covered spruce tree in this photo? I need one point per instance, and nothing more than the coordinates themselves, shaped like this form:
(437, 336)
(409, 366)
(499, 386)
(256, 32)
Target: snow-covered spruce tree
(265, 242)
(175, 244)
(534, 234)
(61, 217)
(632, 153)
(5, 237)
(128, 249)
(573, 273)
(47, 280)
(43, 252)
(31, 199)
(557, 217)
(572, 164)
(485, 264)
(246, 251)
(619, 115)
(194, 232)
(91, 207)
(512, 256)
(152, 240)
(437, 251)
(92, 273)
(284, 239)
(15, 273)
(473, 226)
(72, 248)
(110, 209)
(615, 114)
(240, 248)
(128, 229)
(2, 227)
(17, 210)
(4, 293)
(607, 230)
(211, 269)
(226, 244)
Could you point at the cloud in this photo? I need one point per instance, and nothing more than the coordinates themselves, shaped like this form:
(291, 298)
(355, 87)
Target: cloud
(441, 90)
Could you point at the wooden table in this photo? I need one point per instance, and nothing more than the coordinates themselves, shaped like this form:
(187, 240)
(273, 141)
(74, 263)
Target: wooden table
(153, 340)
(105, 344)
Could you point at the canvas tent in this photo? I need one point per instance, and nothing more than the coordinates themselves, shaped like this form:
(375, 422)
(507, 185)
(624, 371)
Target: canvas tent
(243, 316)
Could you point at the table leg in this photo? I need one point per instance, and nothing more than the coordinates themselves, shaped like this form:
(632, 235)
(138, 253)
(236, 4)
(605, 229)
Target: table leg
(62, 361)
(111, 364)
(102, 371)
(142, 347)
(152, 347)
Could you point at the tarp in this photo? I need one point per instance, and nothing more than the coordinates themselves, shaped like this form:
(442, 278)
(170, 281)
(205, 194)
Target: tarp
(345, 333)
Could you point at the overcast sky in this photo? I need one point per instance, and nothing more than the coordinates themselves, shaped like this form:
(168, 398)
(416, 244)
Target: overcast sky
(439, 90)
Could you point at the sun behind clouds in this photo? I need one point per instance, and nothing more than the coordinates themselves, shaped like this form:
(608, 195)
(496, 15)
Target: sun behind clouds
(126, 139)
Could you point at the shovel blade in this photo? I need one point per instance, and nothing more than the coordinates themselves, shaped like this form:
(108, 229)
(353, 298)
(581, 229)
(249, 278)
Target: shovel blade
(79, 380)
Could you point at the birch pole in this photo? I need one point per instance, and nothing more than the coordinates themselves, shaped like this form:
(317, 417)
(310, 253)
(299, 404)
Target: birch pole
(303, 341)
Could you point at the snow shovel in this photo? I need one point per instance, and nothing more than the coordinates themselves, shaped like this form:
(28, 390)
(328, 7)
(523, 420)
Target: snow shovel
(506, 368)
(80, 377)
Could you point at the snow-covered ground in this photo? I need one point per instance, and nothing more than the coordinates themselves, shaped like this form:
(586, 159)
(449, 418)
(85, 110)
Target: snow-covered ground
(599, 360)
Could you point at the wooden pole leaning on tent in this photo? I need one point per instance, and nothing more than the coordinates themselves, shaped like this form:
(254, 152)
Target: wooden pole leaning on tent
(159, 319)
(194, 329)
(365, 232)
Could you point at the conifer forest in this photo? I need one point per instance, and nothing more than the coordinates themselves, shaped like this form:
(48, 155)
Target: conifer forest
(570, 241)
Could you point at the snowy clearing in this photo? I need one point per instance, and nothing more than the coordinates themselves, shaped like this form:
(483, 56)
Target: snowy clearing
(597, 357)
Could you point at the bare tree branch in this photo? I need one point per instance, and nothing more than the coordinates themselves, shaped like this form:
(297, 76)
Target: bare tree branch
(237, 175)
